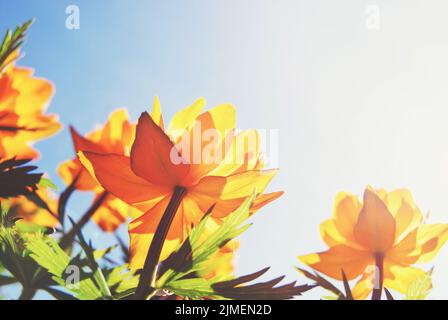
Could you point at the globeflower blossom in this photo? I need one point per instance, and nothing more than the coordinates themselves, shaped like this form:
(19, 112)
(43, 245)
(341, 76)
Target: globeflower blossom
(23, 102)
(378, 240)
(179, 167)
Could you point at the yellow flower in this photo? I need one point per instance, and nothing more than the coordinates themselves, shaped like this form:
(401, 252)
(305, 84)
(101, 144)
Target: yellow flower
(161, 162)
(385, 235)
(23, 101)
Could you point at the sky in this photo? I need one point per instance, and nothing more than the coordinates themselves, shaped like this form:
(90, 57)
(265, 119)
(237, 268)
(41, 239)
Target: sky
(354, 105)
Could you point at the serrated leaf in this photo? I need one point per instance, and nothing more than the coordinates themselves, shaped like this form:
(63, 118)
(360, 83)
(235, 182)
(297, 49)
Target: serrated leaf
(98, 275)
(179, 272)
(47, 253)
(269, 290)
(323, 283)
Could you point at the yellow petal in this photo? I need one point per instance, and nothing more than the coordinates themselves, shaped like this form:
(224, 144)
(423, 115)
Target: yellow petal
(243, 154)
(399, 277)
(183, 120)
(205, 144)
(139, 246)
(156, 113)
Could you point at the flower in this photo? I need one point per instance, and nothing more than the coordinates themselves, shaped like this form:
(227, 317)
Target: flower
(217, 170)
(385, 234)
(23, 101)
(115, 137)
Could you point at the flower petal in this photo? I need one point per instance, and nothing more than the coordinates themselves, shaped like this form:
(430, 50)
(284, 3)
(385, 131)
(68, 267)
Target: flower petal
(205, 144)
(227, 193)
(364, 286)
(148, 222)
(346, 212)
(139, 246)
(83, 144)
(265, 199)
(183, 120)
(421, 245)
(398, 277)
(114, 173)
(375, 228)
(153, 155)
(243, 154)
(156, 113)
(339, 258)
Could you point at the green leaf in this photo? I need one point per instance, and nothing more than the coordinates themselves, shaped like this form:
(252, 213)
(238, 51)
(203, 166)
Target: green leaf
(11, 42)
(180, 272)
(195, 288)
(47, 253)
(97, 273)
(47, 183)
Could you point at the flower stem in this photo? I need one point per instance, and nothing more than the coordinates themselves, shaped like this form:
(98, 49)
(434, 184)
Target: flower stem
(27, 294)
(148, 274)
(68, 238)
(378, 281)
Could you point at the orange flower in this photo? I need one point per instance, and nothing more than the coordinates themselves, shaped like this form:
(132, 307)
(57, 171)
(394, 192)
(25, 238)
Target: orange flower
(221, 173)
(385, 235)
(115, 137)
(23, 101)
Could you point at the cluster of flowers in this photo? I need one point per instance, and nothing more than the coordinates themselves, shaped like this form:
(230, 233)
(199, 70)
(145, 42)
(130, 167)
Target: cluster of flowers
(130, 169)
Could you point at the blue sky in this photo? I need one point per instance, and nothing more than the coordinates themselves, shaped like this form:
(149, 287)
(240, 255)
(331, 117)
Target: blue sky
(353, 106)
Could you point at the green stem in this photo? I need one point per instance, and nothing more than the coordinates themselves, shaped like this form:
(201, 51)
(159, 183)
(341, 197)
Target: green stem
(147, 277)
(68, 238)
(378, 281)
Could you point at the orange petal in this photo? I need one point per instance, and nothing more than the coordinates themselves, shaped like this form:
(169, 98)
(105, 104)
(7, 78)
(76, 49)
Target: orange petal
(115, 175)
(339, 258)
(148, 222)
(346, 212)
(153, 155)
(375, 228)
(205, 144)
(265, 199)
(82, 144)
(332, 236)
